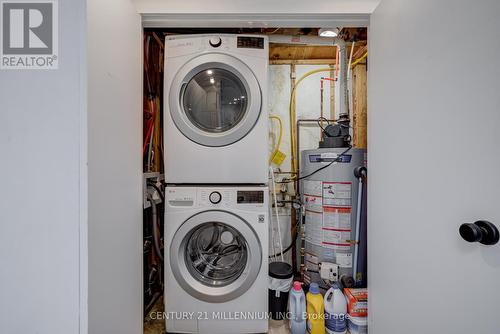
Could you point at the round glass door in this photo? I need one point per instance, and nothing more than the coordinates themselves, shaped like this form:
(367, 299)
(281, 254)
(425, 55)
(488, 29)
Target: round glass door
(215, 100)
(215, 256)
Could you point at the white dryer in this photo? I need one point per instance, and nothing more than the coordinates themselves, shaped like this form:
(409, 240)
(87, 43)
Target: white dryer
(216, 260)
(215, 102)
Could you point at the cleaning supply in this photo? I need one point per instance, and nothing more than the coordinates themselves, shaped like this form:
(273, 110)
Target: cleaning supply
(357, 302)
(335, 311)
(315, 310)
(357, 325)
(297, 309)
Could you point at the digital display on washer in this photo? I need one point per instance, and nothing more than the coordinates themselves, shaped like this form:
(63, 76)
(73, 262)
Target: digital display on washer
(246, 42)
(249, 197)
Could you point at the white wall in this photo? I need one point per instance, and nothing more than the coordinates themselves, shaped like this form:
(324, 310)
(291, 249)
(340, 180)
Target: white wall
(42, 188)
(307, 105)
(115, 167)
(433, 164)
(257, 6)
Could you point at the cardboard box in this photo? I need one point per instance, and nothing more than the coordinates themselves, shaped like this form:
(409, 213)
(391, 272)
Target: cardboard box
(357, 302)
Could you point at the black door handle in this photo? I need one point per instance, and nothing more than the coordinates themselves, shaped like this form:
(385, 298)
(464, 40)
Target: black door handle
(481, 231)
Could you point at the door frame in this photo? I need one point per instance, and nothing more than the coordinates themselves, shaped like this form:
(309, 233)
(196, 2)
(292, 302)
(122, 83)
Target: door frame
(266, 20)
(180, 20)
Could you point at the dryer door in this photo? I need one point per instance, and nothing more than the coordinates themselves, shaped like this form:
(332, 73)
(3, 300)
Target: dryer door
(215, 100)
(215, 256)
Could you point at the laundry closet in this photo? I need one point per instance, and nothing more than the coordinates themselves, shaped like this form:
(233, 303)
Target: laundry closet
(227, 114)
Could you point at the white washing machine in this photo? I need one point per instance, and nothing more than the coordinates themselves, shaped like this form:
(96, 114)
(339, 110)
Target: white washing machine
(216, 259)
(215, 102)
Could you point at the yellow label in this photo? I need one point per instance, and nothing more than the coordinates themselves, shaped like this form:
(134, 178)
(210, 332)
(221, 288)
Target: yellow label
(278, 158)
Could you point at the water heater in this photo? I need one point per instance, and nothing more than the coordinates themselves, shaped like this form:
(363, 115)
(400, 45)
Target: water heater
(330, 198)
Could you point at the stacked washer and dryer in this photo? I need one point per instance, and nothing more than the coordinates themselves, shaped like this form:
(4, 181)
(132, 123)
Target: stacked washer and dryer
(216, 215)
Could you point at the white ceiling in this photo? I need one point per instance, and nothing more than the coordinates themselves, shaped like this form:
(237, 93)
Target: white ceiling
(256, 6)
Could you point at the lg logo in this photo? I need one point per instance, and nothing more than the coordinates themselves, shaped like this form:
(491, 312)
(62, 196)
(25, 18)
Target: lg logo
(29, 35)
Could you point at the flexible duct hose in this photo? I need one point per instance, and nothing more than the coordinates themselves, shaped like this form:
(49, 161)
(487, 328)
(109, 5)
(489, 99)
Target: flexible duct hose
(156, 236)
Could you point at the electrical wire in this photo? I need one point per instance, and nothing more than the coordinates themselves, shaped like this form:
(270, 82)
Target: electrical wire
(337, 159)
(280, 136)
(320, 123)
(286, 250)
(277, 215)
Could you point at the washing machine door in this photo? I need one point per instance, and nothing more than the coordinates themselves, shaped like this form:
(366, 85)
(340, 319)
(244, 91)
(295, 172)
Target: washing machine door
(215, 256)
(215, 100)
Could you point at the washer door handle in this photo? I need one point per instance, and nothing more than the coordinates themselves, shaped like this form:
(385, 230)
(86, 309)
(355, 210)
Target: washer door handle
(481, 231)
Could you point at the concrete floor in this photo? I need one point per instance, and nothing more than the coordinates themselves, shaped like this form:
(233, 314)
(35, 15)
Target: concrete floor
(157, 326)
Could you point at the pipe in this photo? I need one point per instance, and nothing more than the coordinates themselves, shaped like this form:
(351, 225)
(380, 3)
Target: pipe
(358, 223)
(297, 157)
(280, 137)
(359, 173)
(313, 40)
(321, 114)
(293, 150)
(359, 59)
(151, 303)
(342, 80)
(156, 236)
(350, 60)
(277, 214)
(151, 278)
(302, 40)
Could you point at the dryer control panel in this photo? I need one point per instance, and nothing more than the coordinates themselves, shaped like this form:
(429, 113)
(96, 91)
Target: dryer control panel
(250, 196)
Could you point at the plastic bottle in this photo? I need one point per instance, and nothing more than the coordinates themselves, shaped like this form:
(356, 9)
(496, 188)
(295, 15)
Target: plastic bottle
(315, 310)
(335, 311)
(297, 309)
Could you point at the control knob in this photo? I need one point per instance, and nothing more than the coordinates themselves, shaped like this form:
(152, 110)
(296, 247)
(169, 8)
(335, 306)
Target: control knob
(215, 197)
(215, 41)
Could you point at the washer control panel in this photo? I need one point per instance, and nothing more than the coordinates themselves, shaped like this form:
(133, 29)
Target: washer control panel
(224, 198)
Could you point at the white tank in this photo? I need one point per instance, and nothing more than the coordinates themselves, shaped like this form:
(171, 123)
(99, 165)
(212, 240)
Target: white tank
(330, 200)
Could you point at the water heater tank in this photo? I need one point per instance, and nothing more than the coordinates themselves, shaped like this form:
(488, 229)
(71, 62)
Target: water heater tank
(330, 198)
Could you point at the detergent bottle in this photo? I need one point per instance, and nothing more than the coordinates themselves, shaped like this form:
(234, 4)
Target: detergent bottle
(335, 311)
(315, 310)
(297, 309)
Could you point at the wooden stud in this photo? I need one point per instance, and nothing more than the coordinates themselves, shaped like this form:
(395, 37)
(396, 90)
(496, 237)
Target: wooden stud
(360, 106)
